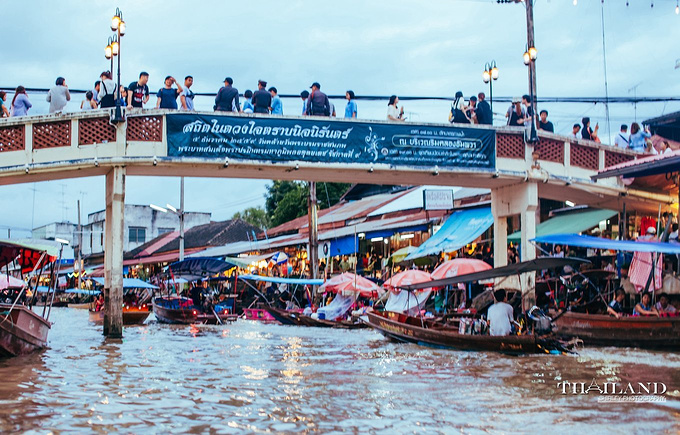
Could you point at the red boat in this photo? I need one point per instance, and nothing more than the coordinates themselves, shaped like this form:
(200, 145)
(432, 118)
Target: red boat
(182, 310)
(21, 330)
(634, 331)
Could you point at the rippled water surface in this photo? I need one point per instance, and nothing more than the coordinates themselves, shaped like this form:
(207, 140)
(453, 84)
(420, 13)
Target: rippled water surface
(253, 377)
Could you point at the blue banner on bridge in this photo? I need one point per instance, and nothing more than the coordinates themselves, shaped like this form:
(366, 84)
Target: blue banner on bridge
(277, 140)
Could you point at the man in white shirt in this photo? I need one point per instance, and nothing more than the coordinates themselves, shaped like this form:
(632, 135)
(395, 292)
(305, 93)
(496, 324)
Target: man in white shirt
(622, 140)
(500, 315)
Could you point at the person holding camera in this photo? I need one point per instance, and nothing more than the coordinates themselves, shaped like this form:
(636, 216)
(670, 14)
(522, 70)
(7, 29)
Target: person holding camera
(167, 96)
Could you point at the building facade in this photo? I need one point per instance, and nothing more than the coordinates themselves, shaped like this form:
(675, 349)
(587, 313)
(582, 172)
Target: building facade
(142, 223)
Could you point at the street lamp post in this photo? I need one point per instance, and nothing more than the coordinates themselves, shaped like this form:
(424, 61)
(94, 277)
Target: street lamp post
(118, 26)
(489, 75)
(108, 52)
(529, 57)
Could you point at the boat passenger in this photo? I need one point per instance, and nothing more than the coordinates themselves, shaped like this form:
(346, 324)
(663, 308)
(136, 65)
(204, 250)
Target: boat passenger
(615, 307)
(664, 307)
(500, 314)
(644, 307)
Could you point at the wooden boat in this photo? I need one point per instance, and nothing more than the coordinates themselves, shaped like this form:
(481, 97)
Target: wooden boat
(284, 317)
(296, 318)
(401, 327)
(181, 310)
(131, 315)
(633, 331)
(85, 306)
(21, 330)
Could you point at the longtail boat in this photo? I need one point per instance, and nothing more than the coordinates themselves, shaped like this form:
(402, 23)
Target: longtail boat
(284, 317)
(442, 333)
(182, 310)
(23, 331)
(603, 330)
(633, 331)
(405, 328)
(297, 318)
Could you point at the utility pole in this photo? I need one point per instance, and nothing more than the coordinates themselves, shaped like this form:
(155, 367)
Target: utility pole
(181, 219)
(313, 253)
(532, 65)
(80, 248)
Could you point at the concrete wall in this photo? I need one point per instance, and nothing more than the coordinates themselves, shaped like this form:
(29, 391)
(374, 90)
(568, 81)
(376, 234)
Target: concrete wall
(144, 217)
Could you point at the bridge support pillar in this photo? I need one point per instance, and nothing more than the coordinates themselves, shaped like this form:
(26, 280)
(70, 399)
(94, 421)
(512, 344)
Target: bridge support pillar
(519, 199)
(114, 230)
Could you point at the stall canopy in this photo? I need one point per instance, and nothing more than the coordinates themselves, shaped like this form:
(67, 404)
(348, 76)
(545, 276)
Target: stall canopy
(461, 228)
(573, 222)
(282, 280)
(244, 262)
(129, 283)
(614, 245)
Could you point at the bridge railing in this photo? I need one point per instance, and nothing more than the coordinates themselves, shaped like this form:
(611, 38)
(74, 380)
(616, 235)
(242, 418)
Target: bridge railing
(39, 139)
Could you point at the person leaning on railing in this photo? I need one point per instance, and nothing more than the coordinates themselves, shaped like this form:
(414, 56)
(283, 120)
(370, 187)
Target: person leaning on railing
(4, 113)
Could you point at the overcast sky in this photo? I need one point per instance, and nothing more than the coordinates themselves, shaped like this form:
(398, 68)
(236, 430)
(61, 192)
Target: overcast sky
(381, 47)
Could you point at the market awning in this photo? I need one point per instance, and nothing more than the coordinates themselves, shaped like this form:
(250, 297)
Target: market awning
(246, 261)
(282, 280)
(461, 228)
(129, 283)
(571, 223)
(614, 245)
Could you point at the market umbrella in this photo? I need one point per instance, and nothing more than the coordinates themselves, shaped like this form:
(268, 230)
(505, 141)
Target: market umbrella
(279, 258)
(399, 255)
(349, 282)
(7, 281)
(407, 277)
(459, 266)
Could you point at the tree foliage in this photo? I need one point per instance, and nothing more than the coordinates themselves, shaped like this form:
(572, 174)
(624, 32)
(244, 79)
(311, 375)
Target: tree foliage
(287, 200)
(255, 216)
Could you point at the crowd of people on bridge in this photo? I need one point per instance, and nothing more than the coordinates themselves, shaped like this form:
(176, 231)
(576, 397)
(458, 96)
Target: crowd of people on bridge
(176, 96)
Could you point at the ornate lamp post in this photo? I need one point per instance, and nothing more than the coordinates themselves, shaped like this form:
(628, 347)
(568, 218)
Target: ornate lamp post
(489, 75)
(118, 26)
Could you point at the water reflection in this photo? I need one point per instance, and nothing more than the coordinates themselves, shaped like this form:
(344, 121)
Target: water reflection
(252, 377)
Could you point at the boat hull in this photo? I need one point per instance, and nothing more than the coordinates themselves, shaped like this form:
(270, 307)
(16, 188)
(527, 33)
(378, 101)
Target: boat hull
(295, 318)
(400, 327)
(21, 331)
(637, 331)
(130, 316)
(85, 306)
(181, 311)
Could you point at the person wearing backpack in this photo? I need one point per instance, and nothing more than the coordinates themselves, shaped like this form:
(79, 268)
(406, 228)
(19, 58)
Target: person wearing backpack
(457, 114)
(317, 103)
(107, 94)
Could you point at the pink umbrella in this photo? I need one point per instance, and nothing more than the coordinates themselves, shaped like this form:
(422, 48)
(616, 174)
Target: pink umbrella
(459, 266)
(407, 277)
(10, 282)
(350, 282)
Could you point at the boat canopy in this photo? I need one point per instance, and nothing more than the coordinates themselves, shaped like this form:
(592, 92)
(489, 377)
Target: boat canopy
(461, 228)
(614, 245)
(278, 280)
(129, 283)
(572, 222)
(26, 254)
(498, 272)
(199, 267)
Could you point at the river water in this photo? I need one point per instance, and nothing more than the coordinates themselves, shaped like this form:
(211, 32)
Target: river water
(253, 377)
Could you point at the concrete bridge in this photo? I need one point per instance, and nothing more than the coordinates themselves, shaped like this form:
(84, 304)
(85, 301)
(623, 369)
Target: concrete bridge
(207, 144)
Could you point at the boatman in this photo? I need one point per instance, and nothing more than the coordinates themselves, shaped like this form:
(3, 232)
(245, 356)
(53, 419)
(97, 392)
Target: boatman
(500, 315)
